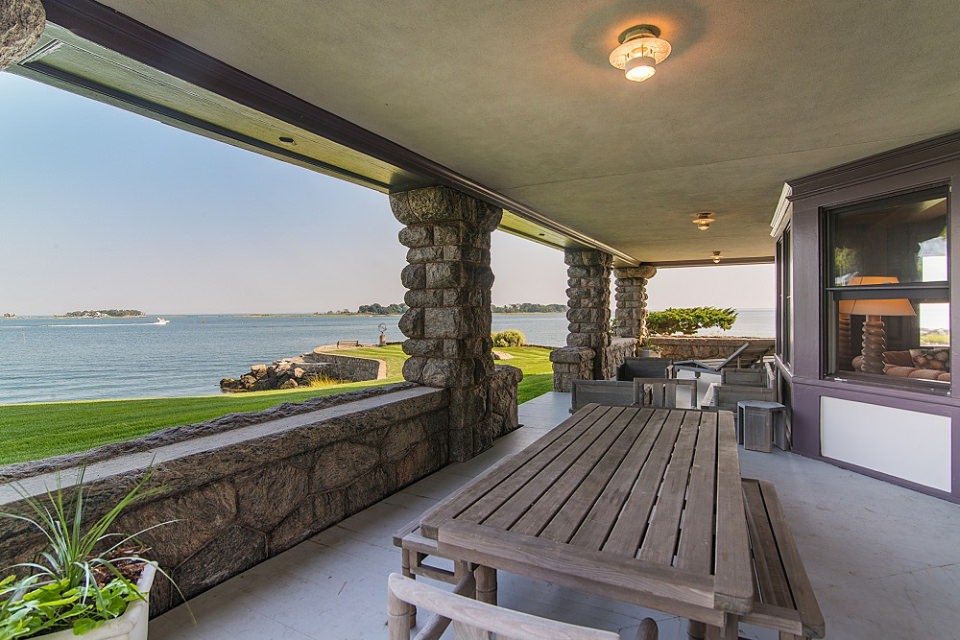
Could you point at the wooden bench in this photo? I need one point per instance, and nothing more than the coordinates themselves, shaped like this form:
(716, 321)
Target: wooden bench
(414, 550)
(348, 344)
(784, 598)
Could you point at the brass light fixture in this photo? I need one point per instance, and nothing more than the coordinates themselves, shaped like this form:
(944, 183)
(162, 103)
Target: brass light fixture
(716, 257)
(641, 50)
(703, 220)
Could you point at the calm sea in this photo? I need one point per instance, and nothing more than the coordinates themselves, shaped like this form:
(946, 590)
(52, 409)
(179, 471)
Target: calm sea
(49, 359)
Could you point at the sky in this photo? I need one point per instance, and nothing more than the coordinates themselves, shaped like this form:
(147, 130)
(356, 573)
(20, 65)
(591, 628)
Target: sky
(105, 209)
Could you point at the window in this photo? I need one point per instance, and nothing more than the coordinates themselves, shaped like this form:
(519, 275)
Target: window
(887, 290)
(785, 297)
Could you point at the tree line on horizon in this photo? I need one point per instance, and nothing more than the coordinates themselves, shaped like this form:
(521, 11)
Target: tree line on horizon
(377, 309)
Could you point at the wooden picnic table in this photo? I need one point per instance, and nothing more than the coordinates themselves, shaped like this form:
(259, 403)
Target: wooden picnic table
(641, 505)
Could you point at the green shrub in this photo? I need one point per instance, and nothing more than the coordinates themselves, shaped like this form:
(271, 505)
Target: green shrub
(688, 321)
(509, 338)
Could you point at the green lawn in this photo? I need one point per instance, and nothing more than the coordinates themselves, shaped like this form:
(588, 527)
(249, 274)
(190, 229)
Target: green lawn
(34, 431)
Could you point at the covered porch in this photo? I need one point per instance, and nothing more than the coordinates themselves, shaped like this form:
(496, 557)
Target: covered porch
(882, 559)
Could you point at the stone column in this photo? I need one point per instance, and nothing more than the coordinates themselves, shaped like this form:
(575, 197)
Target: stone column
(631, 297)
(588, 299)
(448, 324)
(21, 25)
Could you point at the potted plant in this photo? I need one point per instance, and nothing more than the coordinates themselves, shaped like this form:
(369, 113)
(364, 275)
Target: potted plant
(88, 580)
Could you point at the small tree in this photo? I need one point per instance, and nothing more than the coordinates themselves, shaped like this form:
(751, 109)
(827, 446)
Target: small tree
(509, 338)
(688, 321)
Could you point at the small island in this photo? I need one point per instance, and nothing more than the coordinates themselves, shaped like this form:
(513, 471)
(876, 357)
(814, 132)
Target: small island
(106, 313)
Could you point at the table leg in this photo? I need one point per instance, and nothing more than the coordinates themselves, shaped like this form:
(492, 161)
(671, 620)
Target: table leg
(406, 570)
(729, 631)
(486, 584)
(696, 630)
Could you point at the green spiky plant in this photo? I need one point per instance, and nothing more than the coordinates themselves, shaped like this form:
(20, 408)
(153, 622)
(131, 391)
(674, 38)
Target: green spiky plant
(85, 576)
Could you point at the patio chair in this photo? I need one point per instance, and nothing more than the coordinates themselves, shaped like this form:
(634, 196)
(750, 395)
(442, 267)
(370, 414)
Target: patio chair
(610, 393)
(644, 368)
(747, 355)
(657, 392)
(473, 620)
(726, 396)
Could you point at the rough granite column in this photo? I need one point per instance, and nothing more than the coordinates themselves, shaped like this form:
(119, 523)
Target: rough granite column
(448, 324)
(631, 297)
(588, 277)
(21, 25)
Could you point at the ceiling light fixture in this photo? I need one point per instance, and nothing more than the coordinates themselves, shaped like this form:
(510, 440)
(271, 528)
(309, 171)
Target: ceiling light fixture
(703, 220)
(716, 257)
(641, 50)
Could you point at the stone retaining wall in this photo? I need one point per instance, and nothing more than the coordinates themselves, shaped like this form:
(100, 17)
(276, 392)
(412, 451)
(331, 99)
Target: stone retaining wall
(619, 349)
(244, 495)
(700, 347)
(503, 404)
(353, 368)
(578, 363)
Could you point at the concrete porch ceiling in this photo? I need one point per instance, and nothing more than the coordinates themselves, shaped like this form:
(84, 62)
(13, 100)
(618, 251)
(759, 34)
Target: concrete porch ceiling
(519, 97)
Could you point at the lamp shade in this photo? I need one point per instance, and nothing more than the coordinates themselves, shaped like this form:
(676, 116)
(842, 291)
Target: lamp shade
(876, 306)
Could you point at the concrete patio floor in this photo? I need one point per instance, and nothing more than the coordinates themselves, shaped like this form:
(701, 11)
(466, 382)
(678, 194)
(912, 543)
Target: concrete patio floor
(884, 561)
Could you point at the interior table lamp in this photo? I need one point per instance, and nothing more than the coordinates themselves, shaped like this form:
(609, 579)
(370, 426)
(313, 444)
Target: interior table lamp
(874, 336)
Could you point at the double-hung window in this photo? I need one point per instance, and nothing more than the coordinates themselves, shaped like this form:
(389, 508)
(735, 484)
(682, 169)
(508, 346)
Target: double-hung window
(887, 290)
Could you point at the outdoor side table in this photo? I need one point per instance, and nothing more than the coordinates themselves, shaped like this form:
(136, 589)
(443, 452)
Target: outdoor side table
(759, 424)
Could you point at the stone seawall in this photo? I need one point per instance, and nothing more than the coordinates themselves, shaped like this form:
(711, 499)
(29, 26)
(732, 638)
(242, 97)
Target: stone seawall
(700, 347)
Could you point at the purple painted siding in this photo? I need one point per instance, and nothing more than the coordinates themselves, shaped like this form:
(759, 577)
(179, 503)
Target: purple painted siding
(927, 163)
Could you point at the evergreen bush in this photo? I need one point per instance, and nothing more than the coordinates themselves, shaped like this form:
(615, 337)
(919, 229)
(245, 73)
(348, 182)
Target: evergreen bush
(688, 321)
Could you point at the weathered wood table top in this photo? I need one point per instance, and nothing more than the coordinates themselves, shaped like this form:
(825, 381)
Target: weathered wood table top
(642, 505)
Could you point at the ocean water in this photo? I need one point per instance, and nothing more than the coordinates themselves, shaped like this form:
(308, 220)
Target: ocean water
(50, 359)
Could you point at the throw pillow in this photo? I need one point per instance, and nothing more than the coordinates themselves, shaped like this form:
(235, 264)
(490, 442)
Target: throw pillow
(936, 358)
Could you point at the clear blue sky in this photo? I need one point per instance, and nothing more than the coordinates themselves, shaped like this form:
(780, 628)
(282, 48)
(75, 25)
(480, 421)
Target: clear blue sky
(100, 208)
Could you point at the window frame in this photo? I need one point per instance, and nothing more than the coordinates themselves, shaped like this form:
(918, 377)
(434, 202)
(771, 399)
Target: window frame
(832, 294)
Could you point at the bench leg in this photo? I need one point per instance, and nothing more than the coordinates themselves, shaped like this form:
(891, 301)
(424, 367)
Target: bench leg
(486, 584)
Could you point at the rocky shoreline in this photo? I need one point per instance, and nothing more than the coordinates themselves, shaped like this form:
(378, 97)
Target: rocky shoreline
(306, 369)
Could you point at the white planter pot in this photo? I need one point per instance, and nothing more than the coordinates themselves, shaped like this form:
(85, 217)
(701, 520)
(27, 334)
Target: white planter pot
(131, 625)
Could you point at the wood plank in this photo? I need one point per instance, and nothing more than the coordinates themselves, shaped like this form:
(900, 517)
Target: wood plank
(660, 542)
(769, 616)
(734, 577)
(804, 598)
(469, 615)
(511, 499)
(771, 578)
(596, 527)
(591, 491)
(462, 499)
(557, 498)
(630, 527)
(695, 551)
(507, 501)
(628, 580)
